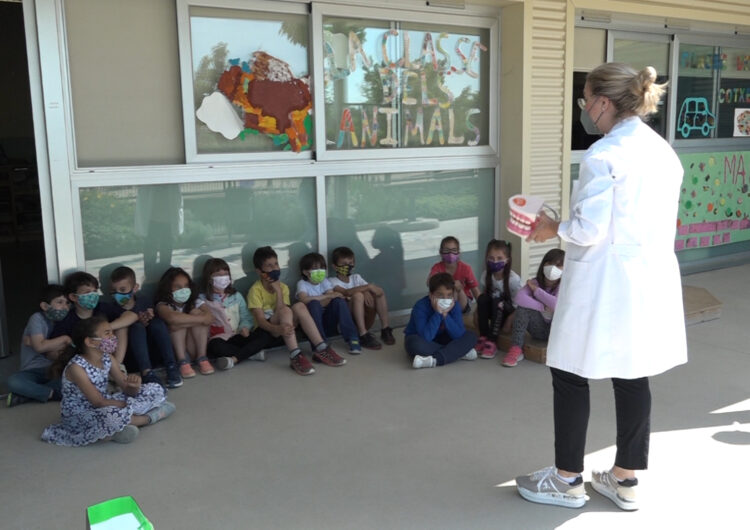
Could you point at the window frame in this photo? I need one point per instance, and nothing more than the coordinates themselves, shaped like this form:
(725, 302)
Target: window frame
(186, 78)
(323, 153)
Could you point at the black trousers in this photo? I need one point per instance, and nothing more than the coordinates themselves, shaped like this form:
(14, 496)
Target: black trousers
(239, 346)
(572, 407)
(489, 316)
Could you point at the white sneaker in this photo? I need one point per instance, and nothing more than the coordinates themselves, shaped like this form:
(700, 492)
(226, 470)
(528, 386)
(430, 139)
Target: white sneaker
(260, 356)
(546, 487)
(424, 361)
(623, 494)
(471, 356)
(224, 363)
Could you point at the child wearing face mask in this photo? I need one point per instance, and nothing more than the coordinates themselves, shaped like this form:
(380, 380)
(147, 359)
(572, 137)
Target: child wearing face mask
(269, 302)
(464, 281)
(88, 412)
(327, 307)
(230, 336)
(148, 334)
(536, 305)
(362, 297)
(186, 316)
(82, 289)
(435, 334)
(33, 381)
(495, 305)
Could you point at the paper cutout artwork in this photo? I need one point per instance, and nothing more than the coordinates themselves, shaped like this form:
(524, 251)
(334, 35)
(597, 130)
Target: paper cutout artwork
(741, 122)
(271, 101)
(219, 115)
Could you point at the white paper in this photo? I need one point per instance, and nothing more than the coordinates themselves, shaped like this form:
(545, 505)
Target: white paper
(218, 113)
(126, 521)
(340, 44)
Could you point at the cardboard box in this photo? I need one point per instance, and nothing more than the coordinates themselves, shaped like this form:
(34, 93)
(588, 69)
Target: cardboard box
(533, 350)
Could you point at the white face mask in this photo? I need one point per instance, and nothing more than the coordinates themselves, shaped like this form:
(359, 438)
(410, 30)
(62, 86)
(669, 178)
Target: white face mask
(552, 273)
(221, 282)
(444, 303)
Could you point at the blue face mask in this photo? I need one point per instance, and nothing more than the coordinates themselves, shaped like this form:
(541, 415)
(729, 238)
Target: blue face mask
(495, 266)
(274, 275)
(56, 315)
(123, 298)
(88, 300)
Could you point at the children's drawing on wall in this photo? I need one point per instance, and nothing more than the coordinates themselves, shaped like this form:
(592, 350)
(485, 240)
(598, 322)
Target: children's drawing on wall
(251, 84)
(741, 122)
(695, 116)
(388, 87)
(715, 200)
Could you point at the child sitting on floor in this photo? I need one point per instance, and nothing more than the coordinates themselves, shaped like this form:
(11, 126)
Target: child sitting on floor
(88, 413)
(326, 306)
(268, 300)
(33, 382)
(188, 318)
(464, 281)
(362, 297)
(148, 333)
(495, 305)
(536, 305)
(232, 335)
(435, 334)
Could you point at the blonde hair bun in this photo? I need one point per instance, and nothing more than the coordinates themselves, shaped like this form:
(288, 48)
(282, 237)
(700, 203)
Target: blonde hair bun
(647, 77)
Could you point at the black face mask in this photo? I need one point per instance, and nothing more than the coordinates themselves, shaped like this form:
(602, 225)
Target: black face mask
(274, 275)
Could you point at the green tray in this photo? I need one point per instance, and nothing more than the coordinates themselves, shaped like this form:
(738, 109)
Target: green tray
(99, 513)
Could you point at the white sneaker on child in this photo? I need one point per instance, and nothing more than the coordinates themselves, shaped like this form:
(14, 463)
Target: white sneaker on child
(471, 356)
(424, 361)
(260, 356)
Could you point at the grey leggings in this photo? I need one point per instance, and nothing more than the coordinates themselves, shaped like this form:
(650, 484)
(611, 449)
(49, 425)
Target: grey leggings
(529, 320)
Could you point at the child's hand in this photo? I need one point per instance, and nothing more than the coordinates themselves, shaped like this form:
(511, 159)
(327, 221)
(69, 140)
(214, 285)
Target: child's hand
(287, 329)
(336, 294)
(500, 305)
(375, 290)
(208, 318)
(245, 332)
(145, 316)
(458, 285)
(132, 384)
(531, 284)
(369, 299)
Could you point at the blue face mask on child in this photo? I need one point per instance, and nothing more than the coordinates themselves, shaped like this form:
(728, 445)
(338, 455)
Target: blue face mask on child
(495, 266)
(181, 295)
(123, 298)
(56, 315)
(274, 275)
(88, 300)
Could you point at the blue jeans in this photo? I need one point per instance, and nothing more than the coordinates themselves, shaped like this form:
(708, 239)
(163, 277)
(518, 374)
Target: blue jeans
(443, 348)
(33, 383)
(143, 339)
(335, 316)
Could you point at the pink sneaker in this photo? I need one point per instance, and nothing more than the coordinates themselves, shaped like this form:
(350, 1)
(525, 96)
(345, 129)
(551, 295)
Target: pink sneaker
(204, 366)
(488, 351)
(513, 357)
(186, 371)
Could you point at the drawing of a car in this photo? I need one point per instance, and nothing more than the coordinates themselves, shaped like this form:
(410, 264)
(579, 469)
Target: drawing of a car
(695, 116)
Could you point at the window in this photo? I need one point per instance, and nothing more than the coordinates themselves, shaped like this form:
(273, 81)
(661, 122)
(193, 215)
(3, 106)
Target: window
(149, 228)
(394, 223)
(246, 86)
(391, 84)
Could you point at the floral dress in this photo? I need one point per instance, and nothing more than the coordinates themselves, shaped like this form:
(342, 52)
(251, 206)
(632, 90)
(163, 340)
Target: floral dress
(82, 423)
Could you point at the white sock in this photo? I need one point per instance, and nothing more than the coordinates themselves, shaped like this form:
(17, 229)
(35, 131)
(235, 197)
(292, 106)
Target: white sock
(569, 480)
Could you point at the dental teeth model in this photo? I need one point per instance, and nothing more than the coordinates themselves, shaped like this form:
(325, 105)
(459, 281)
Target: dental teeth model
(524, 210)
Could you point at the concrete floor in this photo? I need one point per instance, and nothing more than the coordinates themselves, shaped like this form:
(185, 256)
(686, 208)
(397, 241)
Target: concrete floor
(376, 444)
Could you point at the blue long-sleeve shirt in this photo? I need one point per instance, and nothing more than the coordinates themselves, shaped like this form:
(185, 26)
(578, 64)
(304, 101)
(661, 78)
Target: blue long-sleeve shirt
(428, 323)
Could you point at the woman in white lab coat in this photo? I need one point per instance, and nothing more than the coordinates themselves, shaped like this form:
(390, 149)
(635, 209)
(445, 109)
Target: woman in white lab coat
(619, 311)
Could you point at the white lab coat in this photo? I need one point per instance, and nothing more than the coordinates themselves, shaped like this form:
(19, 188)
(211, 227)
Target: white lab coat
(619, 310)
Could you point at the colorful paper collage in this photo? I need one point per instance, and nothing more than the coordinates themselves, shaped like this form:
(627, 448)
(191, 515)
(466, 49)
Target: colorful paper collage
(261, 97)
(714, 200)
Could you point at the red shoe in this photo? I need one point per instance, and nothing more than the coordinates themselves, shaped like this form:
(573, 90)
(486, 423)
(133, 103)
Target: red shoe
(329, 357)
(186, 371)
(488, 351)
(301, 364)
(513, 357)
(204, 366)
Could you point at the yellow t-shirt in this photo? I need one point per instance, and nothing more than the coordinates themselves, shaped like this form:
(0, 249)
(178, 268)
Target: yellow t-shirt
(259, 297)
